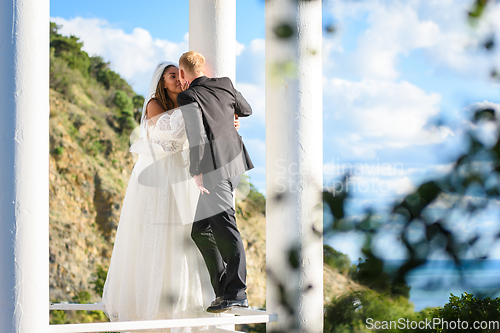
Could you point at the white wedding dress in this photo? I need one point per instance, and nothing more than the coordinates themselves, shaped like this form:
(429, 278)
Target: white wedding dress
(156, 271)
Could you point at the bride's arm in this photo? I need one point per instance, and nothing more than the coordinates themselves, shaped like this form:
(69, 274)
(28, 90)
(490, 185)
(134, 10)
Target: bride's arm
(153, 109)
(153, 112)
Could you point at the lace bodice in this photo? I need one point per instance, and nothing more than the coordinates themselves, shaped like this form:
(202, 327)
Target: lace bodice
(165, 134)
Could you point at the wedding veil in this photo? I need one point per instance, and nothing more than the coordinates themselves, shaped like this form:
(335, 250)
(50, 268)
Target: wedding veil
(151, 92)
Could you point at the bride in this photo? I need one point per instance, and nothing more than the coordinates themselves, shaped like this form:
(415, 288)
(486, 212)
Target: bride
(156, 271)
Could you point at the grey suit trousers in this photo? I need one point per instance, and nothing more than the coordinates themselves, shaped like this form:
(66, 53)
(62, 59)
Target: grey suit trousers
(219, 241)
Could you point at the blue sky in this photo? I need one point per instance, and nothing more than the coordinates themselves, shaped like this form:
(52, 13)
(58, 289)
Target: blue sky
(391, 71)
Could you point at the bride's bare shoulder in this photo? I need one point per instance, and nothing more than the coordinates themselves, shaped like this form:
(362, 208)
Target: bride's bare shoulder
(153, 109)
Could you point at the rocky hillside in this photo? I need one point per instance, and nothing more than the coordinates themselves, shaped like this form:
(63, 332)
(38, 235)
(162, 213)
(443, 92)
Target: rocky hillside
(88, 178)
(92, 114)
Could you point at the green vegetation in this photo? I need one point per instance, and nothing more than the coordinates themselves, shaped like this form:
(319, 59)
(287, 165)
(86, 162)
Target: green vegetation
(371, 273)
(104, 107)
(470, 309)
(92, 115)
(254, 198)
(337, 260)
(59, 151)
(477, 171)
(381, 299)
(90, 83)
(126, 106)
(257, 199)
(99, 277)
(387, 301)
(350, 313)
(69, 50)
(93, 111)
(83, 297)
(80, 316)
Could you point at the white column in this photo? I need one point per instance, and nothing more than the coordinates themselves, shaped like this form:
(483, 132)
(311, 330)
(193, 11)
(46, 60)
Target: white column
(294, 161)
(24, 166)
(212, 32)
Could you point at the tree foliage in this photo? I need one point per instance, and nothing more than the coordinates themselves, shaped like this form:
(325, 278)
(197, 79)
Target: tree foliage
(67, 54)
(469, 309)
(123, 102)
(336, 260)
(351, 313)
(69, 49)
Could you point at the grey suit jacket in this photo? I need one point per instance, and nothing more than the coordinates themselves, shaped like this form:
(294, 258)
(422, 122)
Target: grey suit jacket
(216, 149)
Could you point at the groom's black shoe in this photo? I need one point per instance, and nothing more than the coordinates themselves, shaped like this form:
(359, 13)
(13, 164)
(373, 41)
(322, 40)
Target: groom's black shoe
(228, 304)
(217, 301)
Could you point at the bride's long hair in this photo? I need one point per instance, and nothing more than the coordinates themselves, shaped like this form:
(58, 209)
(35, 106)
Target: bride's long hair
(157, 92)
(161, 95)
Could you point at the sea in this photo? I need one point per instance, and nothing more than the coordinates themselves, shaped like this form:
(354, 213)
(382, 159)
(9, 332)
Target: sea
(432, 283)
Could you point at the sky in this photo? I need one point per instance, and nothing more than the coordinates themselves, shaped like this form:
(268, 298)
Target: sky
(400, 78)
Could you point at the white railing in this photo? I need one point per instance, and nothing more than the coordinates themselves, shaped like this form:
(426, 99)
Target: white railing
(236, 316)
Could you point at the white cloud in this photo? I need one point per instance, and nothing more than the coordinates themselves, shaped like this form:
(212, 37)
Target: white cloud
(395, 28)
(372, 114)
(393, 31)
(132, 55)
(255, 95)
(250, 63)
(239, 48)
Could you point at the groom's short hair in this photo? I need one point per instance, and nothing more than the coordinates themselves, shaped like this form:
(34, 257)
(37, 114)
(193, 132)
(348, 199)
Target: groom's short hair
(193, 62)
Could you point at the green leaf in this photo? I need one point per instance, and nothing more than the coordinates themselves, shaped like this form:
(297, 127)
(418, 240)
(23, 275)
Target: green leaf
(284, 30)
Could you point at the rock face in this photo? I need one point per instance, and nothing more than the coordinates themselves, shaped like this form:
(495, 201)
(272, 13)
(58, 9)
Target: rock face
(89, 170)
(252, 226)
(87, 184)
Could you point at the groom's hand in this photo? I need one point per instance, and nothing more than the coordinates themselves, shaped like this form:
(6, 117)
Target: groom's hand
(199, 183)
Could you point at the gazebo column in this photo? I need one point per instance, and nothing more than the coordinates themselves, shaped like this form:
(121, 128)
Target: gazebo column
(212, 32)
(294, 159)
(24, 166)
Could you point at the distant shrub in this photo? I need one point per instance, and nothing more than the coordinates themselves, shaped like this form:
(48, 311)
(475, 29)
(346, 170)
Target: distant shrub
(355, 312)
(58, 317)
(370, 273)
(69, 49)
(257, 198)
(470, 309)
(123, 102)
(62, 77)
(80, 316)
(95, 147)
(336, 260)
(82, 297)
(67, 57)
(99, 278)
(99, 69)
(138, 101)
(126, 106)
(59, 151)
(127, 123)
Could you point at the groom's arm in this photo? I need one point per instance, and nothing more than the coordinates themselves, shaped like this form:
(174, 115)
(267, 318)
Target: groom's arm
(195, 131)
(241, 107)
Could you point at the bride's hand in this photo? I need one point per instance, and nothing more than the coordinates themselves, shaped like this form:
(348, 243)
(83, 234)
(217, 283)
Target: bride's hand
(185, 85)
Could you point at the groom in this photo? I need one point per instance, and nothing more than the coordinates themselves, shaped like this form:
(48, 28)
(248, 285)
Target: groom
(217, 159)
